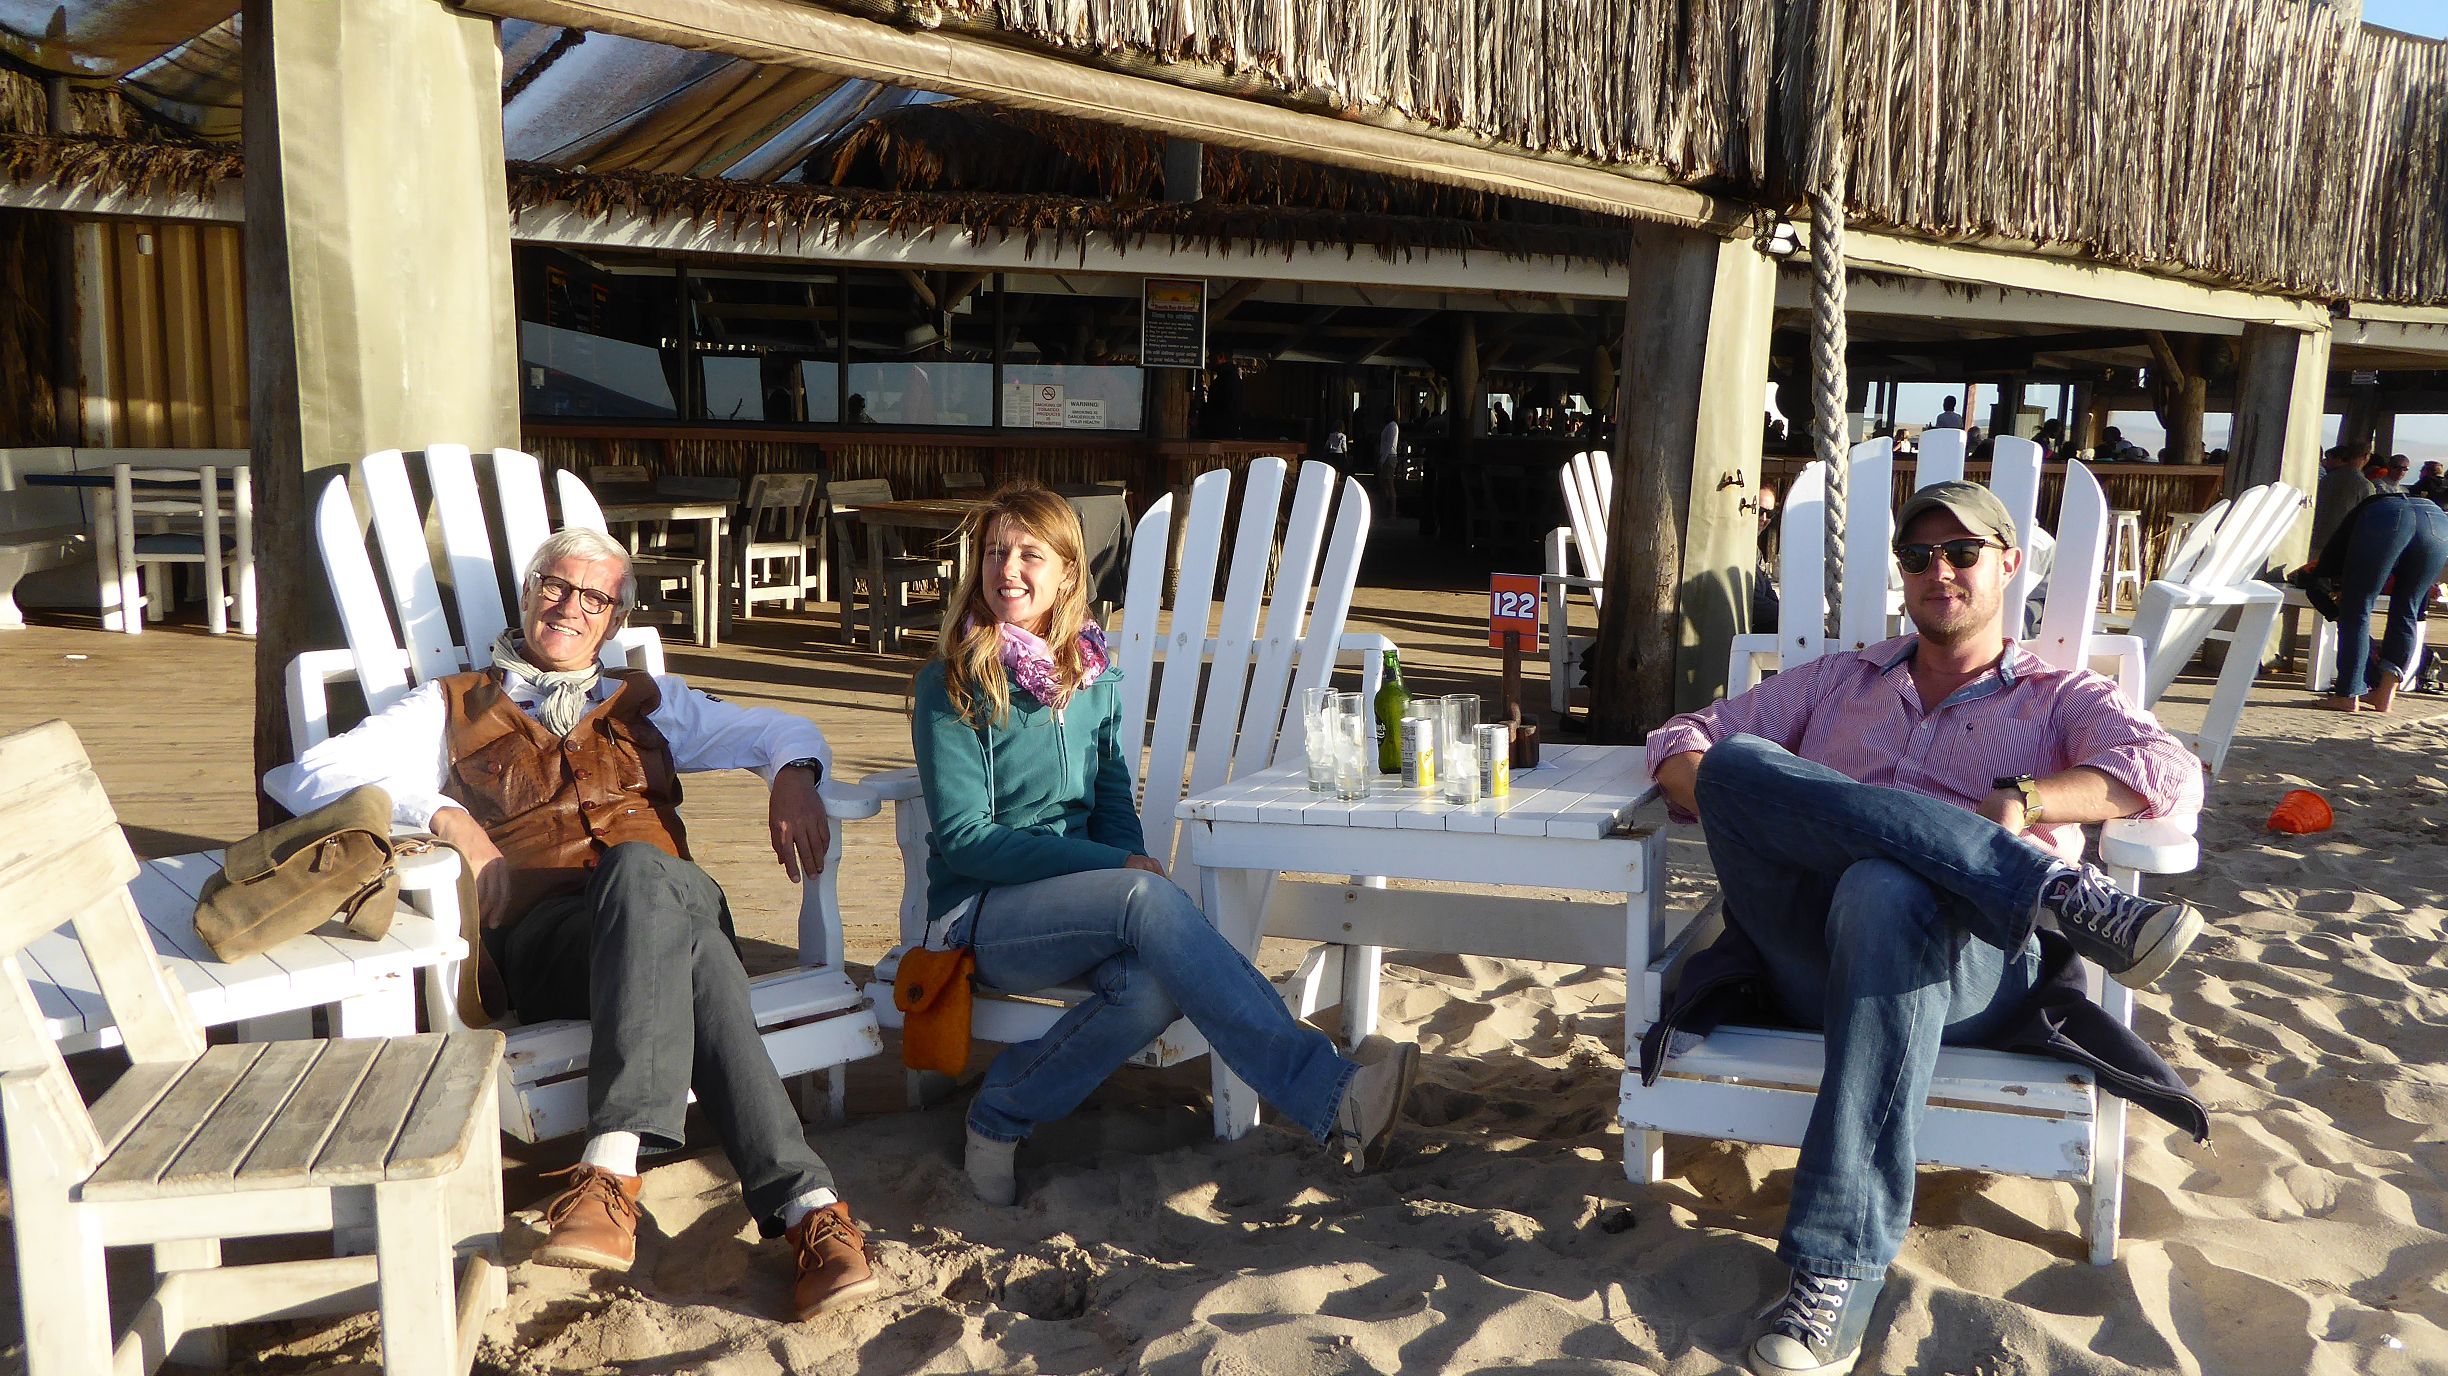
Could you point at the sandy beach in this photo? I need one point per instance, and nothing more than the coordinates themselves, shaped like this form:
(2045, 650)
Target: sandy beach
(2306, 1236)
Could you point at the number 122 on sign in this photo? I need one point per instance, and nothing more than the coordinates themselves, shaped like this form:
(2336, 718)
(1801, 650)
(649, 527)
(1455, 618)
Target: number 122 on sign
(1513, 610)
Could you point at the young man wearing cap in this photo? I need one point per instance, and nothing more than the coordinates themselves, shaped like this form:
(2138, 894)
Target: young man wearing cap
(1888, 826)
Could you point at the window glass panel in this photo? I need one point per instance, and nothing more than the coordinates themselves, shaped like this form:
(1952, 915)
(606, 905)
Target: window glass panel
(761, 336)
(921, 349)
(1086, 396)
(596, 338)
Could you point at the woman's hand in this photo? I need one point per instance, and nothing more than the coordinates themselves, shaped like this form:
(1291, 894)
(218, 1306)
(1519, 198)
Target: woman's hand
(1145, 862)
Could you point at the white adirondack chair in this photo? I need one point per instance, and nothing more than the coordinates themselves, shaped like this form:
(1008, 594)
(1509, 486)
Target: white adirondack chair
(1988, 1110)
(2208, 579)
(1588, 480)
(1203, 727)
(813, 1017)
(195, 1144)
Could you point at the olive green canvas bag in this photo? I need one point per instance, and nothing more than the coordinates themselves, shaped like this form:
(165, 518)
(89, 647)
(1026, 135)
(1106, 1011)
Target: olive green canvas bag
(287, 880)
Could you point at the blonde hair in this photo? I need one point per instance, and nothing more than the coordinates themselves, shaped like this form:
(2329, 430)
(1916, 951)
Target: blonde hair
(972, 647)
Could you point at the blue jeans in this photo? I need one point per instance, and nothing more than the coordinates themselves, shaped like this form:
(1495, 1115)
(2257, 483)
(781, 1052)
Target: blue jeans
(2402, 540)
(1150, 956)
(1893, 922)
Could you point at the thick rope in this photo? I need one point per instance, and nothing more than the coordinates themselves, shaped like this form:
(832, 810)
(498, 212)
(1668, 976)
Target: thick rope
(1827, 200)
(1828, 385)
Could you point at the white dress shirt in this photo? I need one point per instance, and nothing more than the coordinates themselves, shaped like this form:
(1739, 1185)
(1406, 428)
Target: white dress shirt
(403, 748)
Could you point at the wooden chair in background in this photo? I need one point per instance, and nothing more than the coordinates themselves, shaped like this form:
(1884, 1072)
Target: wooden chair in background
(876, 574)
(171, 518)
(779, 539)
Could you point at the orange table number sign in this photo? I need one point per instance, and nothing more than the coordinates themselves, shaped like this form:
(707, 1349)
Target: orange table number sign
(1513, 610)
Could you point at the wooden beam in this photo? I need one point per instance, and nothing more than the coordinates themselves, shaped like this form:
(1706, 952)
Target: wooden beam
(2075, 277)
(1695, 370)
(379, 308)
(2280, 392)
(785, 34)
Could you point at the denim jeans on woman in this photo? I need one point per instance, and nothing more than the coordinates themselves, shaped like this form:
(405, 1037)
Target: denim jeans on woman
(1893, 922)
(2401, 545)
(1149, 956)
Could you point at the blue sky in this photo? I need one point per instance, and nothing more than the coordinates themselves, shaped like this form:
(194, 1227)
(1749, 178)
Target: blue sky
(2426, 17)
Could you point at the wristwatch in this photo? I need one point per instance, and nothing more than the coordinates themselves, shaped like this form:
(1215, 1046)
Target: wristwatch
(814, 767)
(2029, 785)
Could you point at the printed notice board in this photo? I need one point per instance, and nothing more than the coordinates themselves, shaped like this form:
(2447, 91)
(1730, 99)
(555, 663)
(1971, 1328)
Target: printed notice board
(1173, 323)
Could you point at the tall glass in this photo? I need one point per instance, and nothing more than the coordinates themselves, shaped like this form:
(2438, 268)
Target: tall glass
(1457, 729)
(1355, 747)
(1317, 736)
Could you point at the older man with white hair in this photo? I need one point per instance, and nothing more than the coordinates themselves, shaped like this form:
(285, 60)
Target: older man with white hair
(558, 780)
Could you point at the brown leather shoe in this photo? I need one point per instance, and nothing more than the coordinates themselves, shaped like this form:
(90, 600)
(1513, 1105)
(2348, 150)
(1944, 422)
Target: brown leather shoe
(832, 1257)
(594, 1221)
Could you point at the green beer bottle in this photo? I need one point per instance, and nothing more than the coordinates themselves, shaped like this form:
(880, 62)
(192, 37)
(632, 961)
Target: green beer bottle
(1392, 698)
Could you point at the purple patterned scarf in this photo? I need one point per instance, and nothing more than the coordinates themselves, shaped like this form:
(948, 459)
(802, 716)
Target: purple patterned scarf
(1031, 660)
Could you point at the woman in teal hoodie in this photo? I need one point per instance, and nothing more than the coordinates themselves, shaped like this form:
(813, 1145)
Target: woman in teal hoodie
(1036, 862)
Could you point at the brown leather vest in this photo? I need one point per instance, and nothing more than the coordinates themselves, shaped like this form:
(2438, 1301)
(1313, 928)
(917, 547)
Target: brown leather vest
(554, 806)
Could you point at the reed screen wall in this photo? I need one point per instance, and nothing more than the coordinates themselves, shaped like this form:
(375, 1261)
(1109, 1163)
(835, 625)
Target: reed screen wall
(2263, 143)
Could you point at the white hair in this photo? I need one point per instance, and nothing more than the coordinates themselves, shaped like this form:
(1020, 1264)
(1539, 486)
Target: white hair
(594, 547)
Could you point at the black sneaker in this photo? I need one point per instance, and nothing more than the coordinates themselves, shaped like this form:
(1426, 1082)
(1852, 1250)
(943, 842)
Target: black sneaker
(2132, 937)
(1816, 1329)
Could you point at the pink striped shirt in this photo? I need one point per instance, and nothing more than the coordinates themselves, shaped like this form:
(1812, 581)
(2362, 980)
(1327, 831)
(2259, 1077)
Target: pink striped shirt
(1858, 713)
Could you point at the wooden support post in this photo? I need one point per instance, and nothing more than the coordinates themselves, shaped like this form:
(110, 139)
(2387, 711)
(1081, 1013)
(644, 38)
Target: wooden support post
(2281, 392)
(1683, 523)
(379, 310)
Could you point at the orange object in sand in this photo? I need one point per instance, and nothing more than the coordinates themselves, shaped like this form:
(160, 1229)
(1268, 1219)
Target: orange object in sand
(2301, 811)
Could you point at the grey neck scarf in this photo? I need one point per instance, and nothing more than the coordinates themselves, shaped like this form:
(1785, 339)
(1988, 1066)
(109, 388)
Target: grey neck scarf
(565, 693)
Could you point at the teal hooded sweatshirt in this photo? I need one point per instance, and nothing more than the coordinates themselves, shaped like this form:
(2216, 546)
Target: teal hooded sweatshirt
(1041, 794)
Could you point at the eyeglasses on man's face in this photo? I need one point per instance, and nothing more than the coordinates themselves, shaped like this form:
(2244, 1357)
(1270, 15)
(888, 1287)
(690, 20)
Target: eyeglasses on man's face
(595, 600)
(1963, 553)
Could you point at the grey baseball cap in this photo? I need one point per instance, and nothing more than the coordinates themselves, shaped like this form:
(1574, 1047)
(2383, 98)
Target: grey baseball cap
(1976, 506)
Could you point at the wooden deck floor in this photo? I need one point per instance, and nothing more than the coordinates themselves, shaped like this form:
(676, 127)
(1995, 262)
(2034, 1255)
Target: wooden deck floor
(168, 717)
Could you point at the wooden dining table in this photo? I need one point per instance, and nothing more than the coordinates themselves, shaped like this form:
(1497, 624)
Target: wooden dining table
(941, 514)
(715, 517)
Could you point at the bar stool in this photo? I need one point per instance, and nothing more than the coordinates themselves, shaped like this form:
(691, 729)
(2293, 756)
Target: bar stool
(2124, 557)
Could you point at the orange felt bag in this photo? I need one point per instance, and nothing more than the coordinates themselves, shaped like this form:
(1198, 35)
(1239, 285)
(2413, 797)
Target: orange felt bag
(933, 990)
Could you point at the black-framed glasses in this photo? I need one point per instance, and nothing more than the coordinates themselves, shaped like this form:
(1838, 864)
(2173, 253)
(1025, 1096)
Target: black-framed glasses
(1963, 553)
(595, 600)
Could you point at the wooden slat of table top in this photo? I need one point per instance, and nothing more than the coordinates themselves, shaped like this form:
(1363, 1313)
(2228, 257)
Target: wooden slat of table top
(439, 1123)
(286, 1152)
(169, 915)
(164, 1132)
(64, 985)
(211, 1160)
(942, 512)
(1571, 780)
(317, 973)
(359, 1149)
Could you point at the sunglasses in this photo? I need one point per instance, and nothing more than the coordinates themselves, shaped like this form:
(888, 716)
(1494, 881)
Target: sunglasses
(596, 601)
(1963, 554)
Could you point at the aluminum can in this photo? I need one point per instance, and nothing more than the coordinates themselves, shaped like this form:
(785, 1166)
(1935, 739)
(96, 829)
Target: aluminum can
(1493, 744)
(1419, 747)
